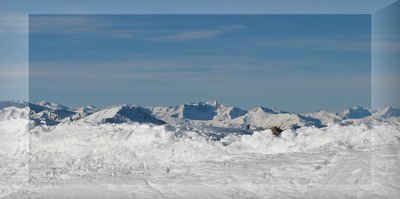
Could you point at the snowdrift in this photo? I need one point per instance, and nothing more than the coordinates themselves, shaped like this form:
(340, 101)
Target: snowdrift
(150, 140)
(346, 160)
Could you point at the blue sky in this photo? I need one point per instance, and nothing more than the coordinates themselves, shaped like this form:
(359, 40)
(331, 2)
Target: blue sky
(292, 62)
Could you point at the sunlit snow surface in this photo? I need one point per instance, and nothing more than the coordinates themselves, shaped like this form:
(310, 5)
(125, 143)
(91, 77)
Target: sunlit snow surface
(81, 160)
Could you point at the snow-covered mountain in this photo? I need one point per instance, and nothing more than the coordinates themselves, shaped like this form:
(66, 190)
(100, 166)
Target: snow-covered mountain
(387, 113)
(208, 113)
(202, 113)
(326, 117)
(123, 114)
(264, 118)
(17, 104)
(51, 113)
(355, 112)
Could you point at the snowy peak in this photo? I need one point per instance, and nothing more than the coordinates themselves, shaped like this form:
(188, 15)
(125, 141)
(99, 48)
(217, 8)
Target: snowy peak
(200, 111)
(213, 103)
(50, 113)
(235, 112)
(387, 112)
(123, 114)
(52, 105)
(263, 118)
(86, 109)
(261, 109)
(325, 117)
(356, 112)
(210, 110)
(208, 113)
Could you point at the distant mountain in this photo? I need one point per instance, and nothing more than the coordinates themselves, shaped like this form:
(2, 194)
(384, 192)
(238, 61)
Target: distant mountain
(86, 109)
(387, 112)
(208, 113)
(51, 113)
(51, 105)
(123, 114)
(228, 113)
(268, 110)
(356, 112)
(17, 104)
(200, 111)
(263, 118)
(325, 117)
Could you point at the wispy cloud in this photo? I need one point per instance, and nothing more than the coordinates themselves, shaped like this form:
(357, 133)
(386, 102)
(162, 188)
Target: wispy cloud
(82, 25)
(192, 67)
(386, 45)
(199, 34)
(98, 26)
(13, 23)
(14, 73)
(61, 23)
(330, 43)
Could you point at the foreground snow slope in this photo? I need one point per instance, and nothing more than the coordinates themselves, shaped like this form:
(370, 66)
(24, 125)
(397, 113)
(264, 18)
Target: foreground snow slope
(14, 157)
(90, 160)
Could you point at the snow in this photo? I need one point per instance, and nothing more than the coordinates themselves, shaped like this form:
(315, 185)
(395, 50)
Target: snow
(387, 113)
(123, 114)
(9, 113)
(14, 147)
(18, 104)
(355, 113)
(91, 158)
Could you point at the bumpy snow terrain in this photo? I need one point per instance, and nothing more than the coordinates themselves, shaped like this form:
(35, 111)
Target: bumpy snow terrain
(198, 150)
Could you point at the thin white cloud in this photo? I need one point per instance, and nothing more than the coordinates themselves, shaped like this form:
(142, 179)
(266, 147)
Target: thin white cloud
(386, 45)
(107, 27)
(13, 23)
(331, 43)
(81, 24)
(62, 24)
(199, 34)
(14, 74)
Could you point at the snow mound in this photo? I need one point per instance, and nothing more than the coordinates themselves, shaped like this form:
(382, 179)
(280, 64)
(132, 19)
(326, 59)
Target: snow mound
(161, 160)
(123, 114)
(14, 149)
(158, 139)
(305, 140)
(9, 113)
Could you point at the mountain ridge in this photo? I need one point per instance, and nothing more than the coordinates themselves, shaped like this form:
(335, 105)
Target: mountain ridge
(207, 113)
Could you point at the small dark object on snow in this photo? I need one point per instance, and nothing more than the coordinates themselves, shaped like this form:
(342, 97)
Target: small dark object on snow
(276, 130)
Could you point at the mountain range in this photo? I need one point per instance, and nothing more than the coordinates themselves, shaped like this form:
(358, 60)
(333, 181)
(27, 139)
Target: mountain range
(209, 113)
